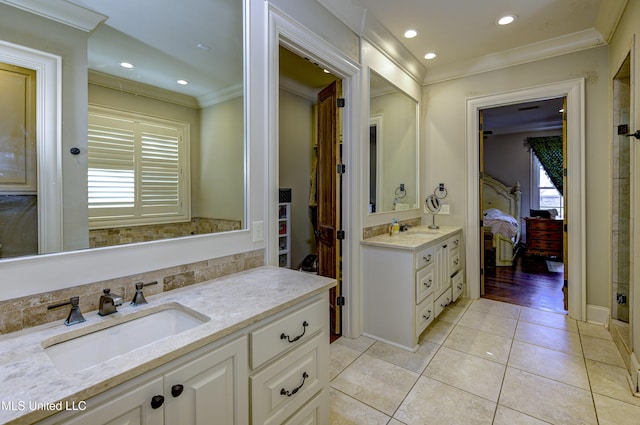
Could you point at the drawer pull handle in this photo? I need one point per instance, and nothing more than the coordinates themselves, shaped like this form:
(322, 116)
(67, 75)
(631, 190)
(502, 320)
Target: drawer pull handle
(456, 262)
(456, 242)
(304, 329)
(428, 315)
(295, 390)
(427, 258)
(428, 283)
(460, 285)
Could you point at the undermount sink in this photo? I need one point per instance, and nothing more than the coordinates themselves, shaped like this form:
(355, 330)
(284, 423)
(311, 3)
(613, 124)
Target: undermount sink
(99, 345)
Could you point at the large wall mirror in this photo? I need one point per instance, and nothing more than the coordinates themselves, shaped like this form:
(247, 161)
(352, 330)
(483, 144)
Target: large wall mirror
(393, 147)
(165, 151)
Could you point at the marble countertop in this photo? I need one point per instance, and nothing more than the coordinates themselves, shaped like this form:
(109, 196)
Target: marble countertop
(232, 303)
(413, 239)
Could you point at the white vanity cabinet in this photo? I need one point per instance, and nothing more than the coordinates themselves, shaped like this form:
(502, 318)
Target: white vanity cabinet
(275, 371)
(408, 280)
(208, 383)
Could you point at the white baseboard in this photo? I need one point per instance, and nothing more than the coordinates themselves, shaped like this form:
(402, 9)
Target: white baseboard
(598, 315)
(634, 373)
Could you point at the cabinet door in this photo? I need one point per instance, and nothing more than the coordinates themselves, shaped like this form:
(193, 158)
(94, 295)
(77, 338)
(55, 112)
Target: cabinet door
(212, 389)
(118, 407)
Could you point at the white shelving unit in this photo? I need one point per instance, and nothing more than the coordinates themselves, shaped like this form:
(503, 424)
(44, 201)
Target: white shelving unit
(284, 234)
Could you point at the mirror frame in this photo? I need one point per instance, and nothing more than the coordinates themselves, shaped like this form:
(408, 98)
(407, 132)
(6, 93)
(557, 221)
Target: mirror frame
(374, 60)
(48, 272)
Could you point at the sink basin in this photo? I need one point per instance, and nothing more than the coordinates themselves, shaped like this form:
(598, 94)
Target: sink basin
(99, 345)
(422, 232)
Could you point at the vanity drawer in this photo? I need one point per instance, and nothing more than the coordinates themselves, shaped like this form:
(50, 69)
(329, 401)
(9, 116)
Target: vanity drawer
(443, 300)
(424, 258)
(454, 242)
(457, 284)
(454, 261)
(286, 385)
(424, 314)
(425, 280)
(316, 412)
(287, 332)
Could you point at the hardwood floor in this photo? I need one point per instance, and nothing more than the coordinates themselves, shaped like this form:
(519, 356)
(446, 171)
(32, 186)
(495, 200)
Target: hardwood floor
(529, 283)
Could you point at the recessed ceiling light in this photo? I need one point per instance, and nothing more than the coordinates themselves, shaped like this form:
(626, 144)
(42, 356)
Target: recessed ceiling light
(431, 55)
(410, 33)
(203, 46)
(182, 82)
(506, 20)
(326, 71)
(126, 65)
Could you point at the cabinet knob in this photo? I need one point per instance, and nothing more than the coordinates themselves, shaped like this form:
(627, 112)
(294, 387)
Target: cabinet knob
(176, 390)
(157, 401)
(427, 258)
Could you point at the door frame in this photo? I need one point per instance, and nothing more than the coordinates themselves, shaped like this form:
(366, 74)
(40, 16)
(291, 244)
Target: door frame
(298, 39)
(48, 68)
(574, 90)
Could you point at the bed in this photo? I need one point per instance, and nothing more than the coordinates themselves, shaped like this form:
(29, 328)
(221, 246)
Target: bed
(501, 213)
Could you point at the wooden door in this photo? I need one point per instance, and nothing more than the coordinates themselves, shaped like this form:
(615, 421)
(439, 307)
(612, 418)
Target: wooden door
(329, 194)
(481, 199)
(565, 192)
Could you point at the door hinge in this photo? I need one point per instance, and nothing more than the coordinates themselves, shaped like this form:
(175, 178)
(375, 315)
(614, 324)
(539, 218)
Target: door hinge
(341, 168)
(340, 235)
(340, 300)
(481, 272)
(564, 172)
(481, 175)
(566, 227)
(481, 223)
(340, 102)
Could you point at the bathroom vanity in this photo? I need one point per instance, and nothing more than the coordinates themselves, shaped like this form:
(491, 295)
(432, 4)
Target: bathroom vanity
(408, 279)
(252, 347)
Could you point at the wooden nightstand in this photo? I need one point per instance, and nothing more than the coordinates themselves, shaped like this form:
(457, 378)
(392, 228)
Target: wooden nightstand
(544, 237)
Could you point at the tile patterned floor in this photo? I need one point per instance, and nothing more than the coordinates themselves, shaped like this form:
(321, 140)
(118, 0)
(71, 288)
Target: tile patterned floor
(485, 362)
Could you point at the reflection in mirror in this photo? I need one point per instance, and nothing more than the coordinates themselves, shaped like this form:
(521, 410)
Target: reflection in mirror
(165, 155)
(393, 142)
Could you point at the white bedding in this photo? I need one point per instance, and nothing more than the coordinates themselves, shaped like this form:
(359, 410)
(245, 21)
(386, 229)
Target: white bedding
(501, 222)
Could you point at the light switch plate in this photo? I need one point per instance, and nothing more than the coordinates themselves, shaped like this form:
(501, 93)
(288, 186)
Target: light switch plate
(444, 209)
(258, 231)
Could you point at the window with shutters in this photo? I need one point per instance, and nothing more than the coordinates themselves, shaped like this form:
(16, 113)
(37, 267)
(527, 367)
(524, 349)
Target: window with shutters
(138, 171)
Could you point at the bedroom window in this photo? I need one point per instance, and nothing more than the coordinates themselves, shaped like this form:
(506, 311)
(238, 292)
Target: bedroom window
(544, 195)
(138, 171)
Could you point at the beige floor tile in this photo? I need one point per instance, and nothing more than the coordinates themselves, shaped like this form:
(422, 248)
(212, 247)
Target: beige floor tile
(452, 314)
(467, 372)
(463, 302)
(481, 344)
(615, 412)
(601, 350)
(546, 399)
(437, 331)
(415, 362)
(544, 336)
(348, 411)
(610, 381)
(496, 308)
(497, 325)
(551, 364)
(375, 382)
(593, 330)
(546, 318)
(362, 343)
(432, 402)
(506, 416)
(340, 356)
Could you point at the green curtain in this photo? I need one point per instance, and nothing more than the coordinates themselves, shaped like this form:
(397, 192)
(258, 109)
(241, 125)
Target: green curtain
(548, 150)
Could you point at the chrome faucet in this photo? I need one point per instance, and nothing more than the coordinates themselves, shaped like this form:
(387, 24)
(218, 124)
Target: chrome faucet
(138, 298)
(109, 302)
(75, 315)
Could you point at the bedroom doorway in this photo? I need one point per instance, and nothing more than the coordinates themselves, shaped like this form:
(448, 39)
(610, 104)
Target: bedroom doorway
(523, 256)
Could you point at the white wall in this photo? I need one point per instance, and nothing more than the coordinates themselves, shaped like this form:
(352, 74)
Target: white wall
(220, 185)
(296, 131)
(444, 144)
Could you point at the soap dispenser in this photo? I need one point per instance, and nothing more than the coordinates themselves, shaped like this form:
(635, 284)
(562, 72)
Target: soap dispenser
(396, 226)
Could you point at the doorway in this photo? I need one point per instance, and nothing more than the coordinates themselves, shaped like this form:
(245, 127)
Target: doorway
(522, 164)
(574, 91)
(309, 149)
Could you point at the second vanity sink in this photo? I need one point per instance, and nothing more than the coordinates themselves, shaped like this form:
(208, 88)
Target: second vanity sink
(94, 346)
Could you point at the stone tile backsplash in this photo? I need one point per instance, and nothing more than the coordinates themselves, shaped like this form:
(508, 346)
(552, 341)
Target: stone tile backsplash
(25, 312)
(369, 232)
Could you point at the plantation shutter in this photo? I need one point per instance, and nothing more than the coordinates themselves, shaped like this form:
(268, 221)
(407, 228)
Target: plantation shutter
(136, 170)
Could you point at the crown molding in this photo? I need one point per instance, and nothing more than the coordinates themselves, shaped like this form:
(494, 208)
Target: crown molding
(294, 87)
(219, 96)
(60, 11)
(558, 46)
